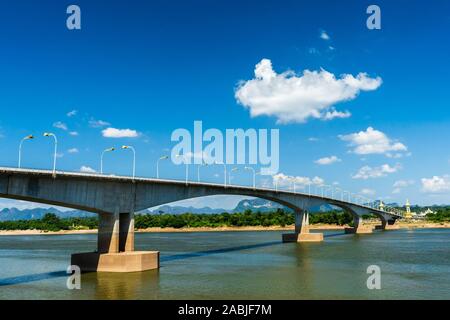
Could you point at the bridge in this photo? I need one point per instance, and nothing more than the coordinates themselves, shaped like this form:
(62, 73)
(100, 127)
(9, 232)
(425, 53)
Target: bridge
(116, 198)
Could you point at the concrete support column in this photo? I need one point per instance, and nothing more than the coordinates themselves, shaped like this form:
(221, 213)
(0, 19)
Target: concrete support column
(126, 235)
(386, 224)
(358, 226)
(108, 233)
(302, 229)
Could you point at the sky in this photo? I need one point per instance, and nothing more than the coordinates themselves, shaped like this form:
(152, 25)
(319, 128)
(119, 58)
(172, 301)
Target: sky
(365, 110)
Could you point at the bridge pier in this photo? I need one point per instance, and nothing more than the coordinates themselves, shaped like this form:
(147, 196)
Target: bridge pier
(387, 224)
(115, 248)
(359, 227)
(301, 233)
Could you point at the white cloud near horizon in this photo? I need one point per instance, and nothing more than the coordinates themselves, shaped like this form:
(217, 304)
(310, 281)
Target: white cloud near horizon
(373, 141)
(87, 169)
(286, 180)
(368, 192)
(119, 133)
(327, 160)
(292, 97)
(368, 172)
(436, 184)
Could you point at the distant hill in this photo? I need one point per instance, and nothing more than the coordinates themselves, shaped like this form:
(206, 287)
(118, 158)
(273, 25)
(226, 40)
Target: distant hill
(255, 204)
(12, 214)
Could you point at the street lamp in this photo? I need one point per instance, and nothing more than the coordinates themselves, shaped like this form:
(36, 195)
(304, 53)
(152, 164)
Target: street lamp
(49, 134)
(29, 137)
(101, 158)
(187, 166)
(229, 175)
(157, 165)
(134, 158)
(254, 175)
(224, 172)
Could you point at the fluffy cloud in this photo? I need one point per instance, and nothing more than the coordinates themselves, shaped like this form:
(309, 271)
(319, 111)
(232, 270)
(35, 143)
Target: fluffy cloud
(73, 133)
(324, 35)
(119, 133)
(60, 125)
(87, 169)
(367, 172)
(286, 180)
(372, 141)
(327, 160)
(292, 97)
(436, 184)
(73, 150)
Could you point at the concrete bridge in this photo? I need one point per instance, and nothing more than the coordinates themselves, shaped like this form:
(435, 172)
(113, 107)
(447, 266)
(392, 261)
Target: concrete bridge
(116, 198)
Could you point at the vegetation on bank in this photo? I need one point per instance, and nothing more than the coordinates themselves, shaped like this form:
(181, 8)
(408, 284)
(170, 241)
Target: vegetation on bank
(441, 215)
(51, 222)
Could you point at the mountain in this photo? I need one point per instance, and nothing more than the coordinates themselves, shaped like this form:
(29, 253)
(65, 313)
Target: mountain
(12, 214)
(257, 204)
(180, 209)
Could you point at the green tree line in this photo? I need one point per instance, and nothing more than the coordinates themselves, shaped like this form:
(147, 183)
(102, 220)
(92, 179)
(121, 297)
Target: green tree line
(51, 222)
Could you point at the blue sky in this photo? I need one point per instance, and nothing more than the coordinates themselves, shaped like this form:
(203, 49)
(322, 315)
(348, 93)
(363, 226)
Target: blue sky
(156, 66)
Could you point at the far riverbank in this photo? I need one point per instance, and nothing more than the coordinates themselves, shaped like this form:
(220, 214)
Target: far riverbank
(402, 224)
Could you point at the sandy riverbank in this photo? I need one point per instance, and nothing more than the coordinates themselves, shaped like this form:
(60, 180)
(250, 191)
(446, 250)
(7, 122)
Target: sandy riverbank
(402, 224)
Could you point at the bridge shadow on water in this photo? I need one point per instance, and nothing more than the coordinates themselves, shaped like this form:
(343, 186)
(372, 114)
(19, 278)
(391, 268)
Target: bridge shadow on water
(32, 278)
(188, 255)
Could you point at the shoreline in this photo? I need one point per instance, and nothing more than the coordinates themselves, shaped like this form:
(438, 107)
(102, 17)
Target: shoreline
(401, 225)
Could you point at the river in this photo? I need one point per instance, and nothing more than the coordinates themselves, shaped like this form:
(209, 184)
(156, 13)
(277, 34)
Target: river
(414, 264)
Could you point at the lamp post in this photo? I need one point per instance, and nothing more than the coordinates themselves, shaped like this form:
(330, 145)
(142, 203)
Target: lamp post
(29, 137)
(254, 175)
(157, 165)
(229, 175)
(101, 158)
(187, 166)
(134, 158)
(224, 172)
(49, 134)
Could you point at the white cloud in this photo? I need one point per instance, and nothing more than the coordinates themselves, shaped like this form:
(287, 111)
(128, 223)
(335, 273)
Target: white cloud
(286, 180)
(292, 97)
(72, 113)
(60, 125)
(324, 35)
(403, 183)
(436, 184)
(327, 160)
(368, 192)
(119, 133)
(73, 133)
(372, 141)
(367, 172)
(60, 155)
(313, 139)
(98, 123)
(73, 150)
(397, 190)
(87, 169)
